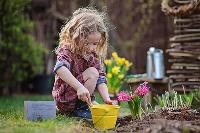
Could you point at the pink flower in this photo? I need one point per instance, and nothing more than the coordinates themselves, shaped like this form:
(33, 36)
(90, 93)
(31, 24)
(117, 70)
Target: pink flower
(142, 90)
(123, 96)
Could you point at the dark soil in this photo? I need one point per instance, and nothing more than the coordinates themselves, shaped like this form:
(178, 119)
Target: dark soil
(162, 121)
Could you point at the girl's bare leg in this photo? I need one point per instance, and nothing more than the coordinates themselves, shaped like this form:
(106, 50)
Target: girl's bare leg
(90, 76)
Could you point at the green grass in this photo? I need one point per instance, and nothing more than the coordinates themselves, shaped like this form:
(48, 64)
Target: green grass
(12, 118)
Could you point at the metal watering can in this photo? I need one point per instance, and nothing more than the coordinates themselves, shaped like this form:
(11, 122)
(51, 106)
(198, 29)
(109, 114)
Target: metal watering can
(155, 64)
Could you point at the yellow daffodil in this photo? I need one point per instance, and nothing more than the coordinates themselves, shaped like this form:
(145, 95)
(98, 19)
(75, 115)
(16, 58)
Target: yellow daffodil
(123, 60)
(126, 63)
(114, 55)
(121, 76)
(120, 61)
(109, 75)
(108, 62)
(115, 70)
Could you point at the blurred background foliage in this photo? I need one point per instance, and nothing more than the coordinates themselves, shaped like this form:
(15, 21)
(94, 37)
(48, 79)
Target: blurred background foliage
(29, 34)
(21, 55)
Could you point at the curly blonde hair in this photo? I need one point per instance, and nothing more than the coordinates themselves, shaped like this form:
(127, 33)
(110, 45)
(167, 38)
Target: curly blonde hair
(83, 22)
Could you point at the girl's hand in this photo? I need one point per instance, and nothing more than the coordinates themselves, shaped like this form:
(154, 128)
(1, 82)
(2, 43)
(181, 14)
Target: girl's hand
(84, 95)
(108, 101)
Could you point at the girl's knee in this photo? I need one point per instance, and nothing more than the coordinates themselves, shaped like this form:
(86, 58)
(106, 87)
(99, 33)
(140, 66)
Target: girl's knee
(92, 72)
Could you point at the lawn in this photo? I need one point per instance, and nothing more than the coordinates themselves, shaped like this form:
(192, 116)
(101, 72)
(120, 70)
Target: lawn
(12, 119)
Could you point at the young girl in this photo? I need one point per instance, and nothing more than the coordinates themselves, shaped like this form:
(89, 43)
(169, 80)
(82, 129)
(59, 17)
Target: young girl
(79, 71)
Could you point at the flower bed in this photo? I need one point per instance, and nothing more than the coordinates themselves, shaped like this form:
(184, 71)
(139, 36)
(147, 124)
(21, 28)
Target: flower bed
(162, 121)
(173, 113)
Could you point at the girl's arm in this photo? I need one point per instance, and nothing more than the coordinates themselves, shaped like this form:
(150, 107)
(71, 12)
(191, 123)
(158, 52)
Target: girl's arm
(82, 92)
(103, 91)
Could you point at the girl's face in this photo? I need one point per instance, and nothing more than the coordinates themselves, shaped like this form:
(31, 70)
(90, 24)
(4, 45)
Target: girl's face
(92, 42)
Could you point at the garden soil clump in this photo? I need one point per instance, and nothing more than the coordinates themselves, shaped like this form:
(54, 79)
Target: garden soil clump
(162, 121)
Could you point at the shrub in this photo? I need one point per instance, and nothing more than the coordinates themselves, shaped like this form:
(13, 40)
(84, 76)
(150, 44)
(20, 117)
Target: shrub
(21, 56)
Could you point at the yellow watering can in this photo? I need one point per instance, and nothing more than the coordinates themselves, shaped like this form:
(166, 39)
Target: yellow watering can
(104, 116)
